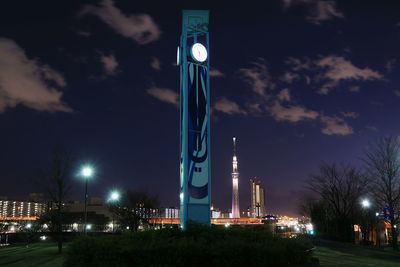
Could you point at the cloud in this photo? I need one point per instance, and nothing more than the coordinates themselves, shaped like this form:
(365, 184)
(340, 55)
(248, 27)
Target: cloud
(110, 64)
(338, 69)
(214, 72)
(289, 77)
(335, 126)
(350, 114)
(28, 82)
(227, 106)
(84, 33)
(291, 113)
(257, 76)
(284, 95)
(318, 10)
(155, 63)
(165, 95)
(141, 28)
(354, 89)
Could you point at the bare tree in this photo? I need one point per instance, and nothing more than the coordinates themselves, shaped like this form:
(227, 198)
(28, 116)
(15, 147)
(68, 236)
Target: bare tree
(135, 209)
(55, 184)
(339, 189)
(383, 169)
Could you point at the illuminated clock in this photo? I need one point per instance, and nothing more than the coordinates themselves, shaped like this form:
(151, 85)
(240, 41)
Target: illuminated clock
(199, 52)
(178, 59)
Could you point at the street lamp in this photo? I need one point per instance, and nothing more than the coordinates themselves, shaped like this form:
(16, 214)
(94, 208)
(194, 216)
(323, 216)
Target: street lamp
(87, 173)
(365, 203)
(114, 198)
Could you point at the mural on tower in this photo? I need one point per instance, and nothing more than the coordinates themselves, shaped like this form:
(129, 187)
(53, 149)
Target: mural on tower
(195, 172)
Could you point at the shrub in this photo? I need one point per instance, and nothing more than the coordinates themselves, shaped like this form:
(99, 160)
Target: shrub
(199, 246)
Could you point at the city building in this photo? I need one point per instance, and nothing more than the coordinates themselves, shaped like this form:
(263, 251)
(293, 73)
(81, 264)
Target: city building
(235, 184)
(20, 210)
(257, 193)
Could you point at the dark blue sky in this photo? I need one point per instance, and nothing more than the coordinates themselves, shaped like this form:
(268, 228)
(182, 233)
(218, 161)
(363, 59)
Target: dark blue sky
(298, 82)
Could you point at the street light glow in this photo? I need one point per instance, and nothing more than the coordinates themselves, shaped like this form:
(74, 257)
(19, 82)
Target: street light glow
(365, 203)
(87, 171)
(114, 196)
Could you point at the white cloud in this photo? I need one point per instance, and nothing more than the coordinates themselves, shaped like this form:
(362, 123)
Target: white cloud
(227, 106)
(257, 77)
(155, 63)
(289, 77)
(291, 113)
(335, 126)
(350, 114)
(140, 28)
(28, 82)
(318, 10)
(165, 95)
(339, 69)
(354, 89)
(284, 95)
(214, 72)
(110, 64)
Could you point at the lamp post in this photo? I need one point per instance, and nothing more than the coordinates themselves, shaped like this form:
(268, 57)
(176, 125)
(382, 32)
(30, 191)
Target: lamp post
(86, 172)
(365, 204)
(114, 198)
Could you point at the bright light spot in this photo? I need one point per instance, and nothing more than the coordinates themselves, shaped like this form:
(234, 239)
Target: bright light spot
(43, 237)
(89, 226)
(127, 228)
(377, 214)
(181, 196)
(365, 203)
(75, 226)
(28, 226)
(45, 226)
(114, 196)
(309, 227)
(199, 52)
(296, 228)
(110, 225)
(312, 232)
(227, 225)
(87, 172)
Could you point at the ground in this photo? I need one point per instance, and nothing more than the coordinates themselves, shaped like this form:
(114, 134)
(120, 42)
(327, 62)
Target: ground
(39, 254)
(347, 255)
(330, 255)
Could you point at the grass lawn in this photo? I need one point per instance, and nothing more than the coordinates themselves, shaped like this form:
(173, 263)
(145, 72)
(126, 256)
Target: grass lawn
(346, 255)
(39, 254)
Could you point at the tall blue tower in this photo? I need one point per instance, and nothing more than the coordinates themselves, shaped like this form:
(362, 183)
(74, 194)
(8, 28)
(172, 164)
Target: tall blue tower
(195, 169)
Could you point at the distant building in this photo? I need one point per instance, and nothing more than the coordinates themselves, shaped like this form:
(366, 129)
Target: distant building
(171, 213)
(14, 210)
(257, 194)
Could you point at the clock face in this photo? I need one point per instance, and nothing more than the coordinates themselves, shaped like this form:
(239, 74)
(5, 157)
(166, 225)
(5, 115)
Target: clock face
(199, 52)
(177, 57)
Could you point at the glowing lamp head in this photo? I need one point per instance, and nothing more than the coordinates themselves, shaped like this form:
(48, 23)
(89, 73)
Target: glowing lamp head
(365, 203)
(199, 52)
(87, 171)
(114, 196)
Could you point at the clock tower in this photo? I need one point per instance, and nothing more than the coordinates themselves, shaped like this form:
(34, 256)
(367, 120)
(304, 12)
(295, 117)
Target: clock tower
(195, 167)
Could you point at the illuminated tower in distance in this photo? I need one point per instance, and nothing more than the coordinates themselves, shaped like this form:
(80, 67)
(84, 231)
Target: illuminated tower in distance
(257, 198)
(235, 184)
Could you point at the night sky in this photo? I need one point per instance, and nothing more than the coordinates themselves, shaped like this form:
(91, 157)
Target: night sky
(298, 82)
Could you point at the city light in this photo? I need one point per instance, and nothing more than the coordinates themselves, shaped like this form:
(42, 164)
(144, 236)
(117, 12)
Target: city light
(365, 203)
(88, 227)
(28, 226)
(43, 237)
(114, 196)
(87, 171)
(227, 225)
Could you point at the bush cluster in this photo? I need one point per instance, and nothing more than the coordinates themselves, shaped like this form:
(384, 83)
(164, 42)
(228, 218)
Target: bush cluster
(199, 246)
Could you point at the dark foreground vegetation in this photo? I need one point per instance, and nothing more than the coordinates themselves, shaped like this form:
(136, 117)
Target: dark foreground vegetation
(199, 246)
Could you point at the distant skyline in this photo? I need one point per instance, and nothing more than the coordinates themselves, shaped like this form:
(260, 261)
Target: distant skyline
(298, 82)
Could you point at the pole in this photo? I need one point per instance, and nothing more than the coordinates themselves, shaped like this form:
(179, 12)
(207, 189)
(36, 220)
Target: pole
(86, 198)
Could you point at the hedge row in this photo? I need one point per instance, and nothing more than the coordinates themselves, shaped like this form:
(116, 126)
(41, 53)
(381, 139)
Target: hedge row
(200, 246)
